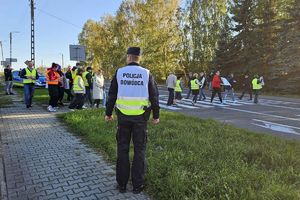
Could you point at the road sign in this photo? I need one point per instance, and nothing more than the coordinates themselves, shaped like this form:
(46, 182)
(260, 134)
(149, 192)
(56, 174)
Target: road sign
(77, 52)
(4, 63)
(12, 60)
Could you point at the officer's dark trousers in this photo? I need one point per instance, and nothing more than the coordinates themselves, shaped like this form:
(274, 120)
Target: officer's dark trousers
(171, 96)
(88, 95)
(134, 127)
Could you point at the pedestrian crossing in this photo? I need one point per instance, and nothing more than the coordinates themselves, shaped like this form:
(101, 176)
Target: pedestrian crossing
(206, 104)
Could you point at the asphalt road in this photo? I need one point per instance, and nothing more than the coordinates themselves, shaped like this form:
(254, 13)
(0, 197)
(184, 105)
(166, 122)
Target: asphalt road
(275, 115)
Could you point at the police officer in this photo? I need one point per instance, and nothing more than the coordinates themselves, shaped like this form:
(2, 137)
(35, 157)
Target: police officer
(134, 93)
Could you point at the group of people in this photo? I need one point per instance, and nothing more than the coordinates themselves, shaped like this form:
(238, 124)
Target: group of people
(196, 86)
(81, 85)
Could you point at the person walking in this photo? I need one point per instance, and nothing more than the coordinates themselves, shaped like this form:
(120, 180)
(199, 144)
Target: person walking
(189, 85)
(79, 91)
(87, 79)
(134, 93)
(229, 88)
(29, 76)
(202, 82)
(69, 84)
(247, 87)
(53, 78)
(98, 86)
(216, 87)
(257, 84)
(178, 89)
(8, 80)
(171, 84)
(61, 86)
(195, 85)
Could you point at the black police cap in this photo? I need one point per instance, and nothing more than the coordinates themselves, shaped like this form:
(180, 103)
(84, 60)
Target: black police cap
(134, 51)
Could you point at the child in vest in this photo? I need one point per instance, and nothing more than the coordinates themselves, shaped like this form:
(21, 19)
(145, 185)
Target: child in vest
(178, 89)
(195, 88)
(79, 91)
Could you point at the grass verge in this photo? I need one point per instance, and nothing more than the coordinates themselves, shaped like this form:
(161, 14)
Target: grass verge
(190, 158)
(5, 100)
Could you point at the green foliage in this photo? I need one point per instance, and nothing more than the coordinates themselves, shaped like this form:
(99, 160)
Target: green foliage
(190, 158)
(256, 36)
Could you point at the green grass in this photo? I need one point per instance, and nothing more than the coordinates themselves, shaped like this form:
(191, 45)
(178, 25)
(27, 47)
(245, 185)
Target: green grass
(5, 100)
(190, 158)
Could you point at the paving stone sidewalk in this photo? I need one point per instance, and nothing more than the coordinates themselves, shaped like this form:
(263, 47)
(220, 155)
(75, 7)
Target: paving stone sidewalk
(42, 160)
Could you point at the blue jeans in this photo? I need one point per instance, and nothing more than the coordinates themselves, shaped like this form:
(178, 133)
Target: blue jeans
(202, 94)
(229, 91)
(28, 93)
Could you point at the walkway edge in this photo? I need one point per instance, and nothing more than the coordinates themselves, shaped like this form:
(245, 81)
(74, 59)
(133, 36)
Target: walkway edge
(3, 189)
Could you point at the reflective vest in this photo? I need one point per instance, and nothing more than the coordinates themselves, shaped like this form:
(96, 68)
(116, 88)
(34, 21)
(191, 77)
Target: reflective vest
(55, 81)
(86, 83)
(255, 85)
(177, 87)
(133, 95)
(76, 86)
(73, 73)
(194, 85)
(29, 74)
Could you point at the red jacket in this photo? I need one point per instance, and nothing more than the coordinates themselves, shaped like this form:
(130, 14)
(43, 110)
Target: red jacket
(216, 82)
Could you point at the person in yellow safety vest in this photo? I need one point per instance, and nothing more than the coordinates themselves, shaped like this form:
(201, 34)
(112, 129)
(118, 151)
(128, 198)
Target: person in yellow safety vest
(29, 76)
(195, 86)
(53, 77)
(88, 83)
(134, 93)
(257, 84)
(79, 91)
(178, 89)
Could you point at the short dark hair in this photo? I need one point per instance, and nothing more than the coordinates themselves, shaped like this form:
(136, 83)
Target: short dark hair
(79, 71)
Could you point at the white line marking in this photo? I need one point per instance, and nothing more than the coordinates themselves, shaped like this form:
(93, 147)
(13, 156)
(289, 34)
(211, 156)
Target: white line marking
(199, 103)
(277, 106)
(258, 113)
(258, 120)
(277, 128)
(169, 107)
(207, 103)
(180, 105)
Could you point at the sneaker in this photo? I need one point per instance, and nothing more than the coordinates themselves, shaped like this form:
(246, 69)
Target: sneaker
(84, 107)
(72, 110)
(27, 106)
(137, 190)
(122, 189)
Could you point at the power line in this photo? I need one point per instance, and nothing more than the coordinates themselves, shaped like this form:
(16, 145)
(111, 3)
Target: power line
(60, 19)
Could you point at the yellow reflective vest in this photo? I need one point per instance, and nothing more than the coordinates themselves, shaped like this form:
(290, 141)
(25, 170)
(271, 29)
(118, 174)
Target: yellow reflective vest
(133, 95)
(255, 85)
(29, 73)
(86, 83)
(76, 86)
(194, 85)
(177, 87)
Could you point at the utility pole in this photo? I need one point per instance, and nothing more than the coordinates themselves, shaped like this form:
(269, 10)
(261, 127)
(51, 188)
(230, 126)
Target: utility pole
(32, 31)
(10, 44)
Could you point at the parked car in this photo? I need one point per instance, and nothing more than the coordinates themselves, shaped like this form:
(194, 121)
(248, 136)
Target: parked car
(18, 81)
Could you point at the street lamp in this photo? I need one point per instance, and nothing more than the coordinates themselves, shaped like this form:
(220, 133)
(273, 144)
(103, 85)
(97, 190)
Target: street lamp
(10, 42)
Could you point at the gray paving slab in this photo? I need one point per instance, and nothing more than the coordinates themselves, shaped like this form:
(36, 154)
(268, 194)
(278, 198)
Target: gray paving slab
(42, 160)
